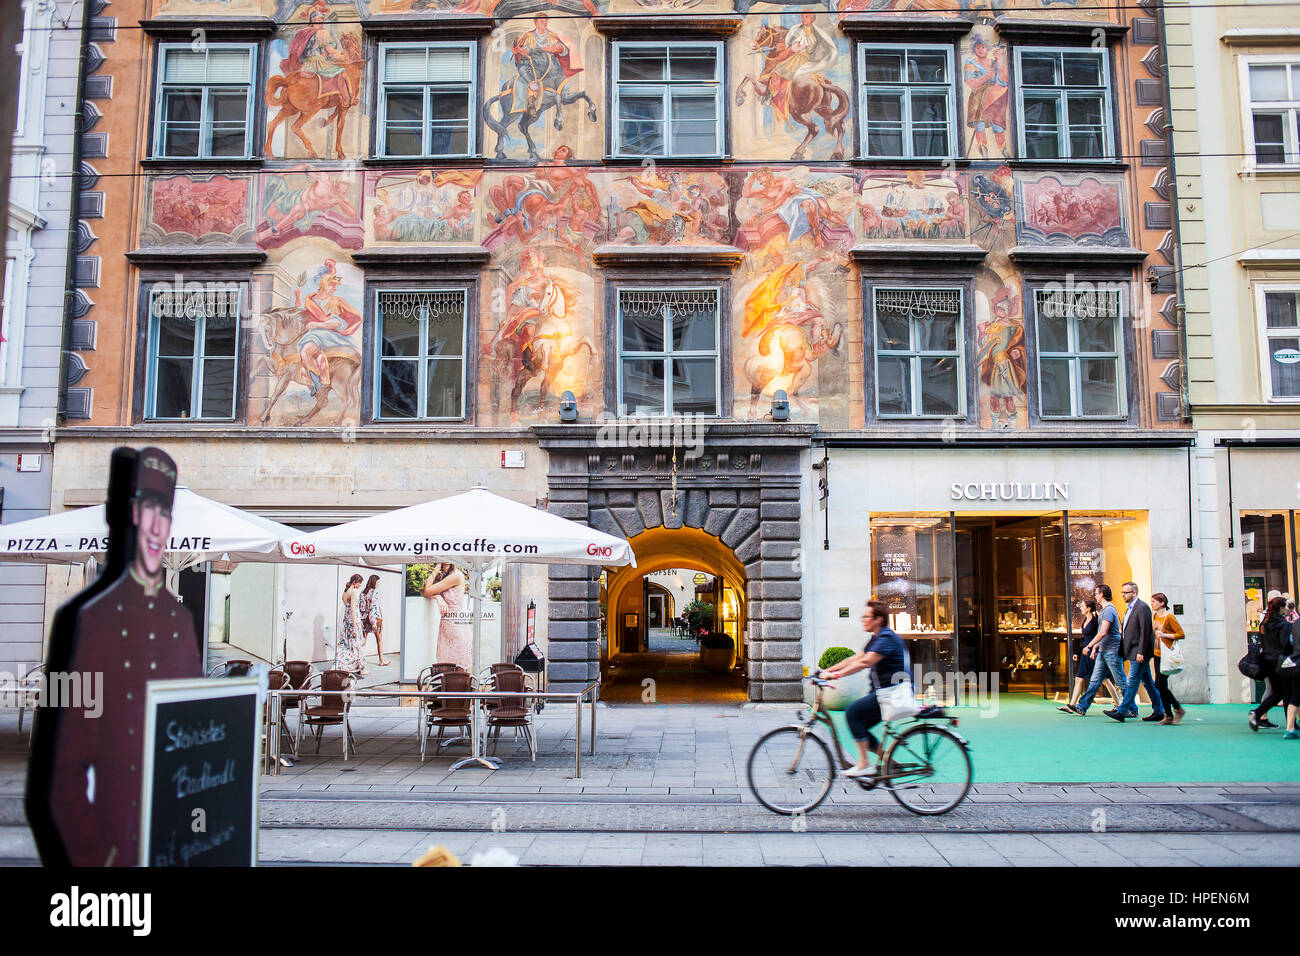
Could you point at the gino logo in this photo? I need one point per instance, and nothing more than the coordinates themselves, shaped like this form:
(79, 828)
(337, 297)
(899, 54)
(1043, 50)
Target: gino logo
(599, 550)
(297, 547)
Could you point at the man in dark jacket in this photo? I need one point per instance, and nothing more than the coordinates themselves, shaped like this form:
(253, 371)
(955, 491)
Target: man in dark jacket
(1139, 646)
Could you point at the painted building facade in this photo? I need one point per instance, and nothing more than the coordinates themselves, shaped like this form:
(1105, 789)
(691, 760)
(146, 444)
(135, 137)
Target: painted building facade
(1235, 97)
(36, 269)
(360, 250)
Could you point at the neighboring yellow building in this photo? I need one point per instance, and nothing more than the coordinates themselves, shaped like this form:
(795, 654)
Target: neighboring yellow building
(1234, 80)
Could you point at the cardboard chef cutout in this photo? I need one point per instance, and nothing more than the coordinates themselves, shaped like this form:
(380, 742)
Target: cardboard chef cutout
(84, 788)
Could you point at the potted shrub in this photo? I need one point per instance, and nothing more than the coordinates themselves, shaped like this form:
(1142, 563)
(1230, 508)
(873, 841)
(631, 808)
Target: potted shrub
(846, 689)
(717, 652)
(699, 617)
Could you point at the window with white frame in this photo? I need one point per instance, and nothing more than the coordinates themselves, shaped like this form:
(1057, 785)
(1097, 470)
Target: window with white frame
(193, 350)
(918, 353)
(420, 359)
(1272, 92)
(6, 323)
(204, 107)
(426, 99)
(1080, 353)
(906, 101)
(1280, 310)
(1064, 100)
(668, 352)
(668, 99)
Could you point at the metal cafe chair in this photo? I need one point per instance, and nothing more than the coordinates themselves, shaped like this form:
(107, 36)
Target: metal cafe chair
(447, 713)
(334, 708)
(28, 696)
(299, 673)
(511, 711)
(232, 668)
(277, 680)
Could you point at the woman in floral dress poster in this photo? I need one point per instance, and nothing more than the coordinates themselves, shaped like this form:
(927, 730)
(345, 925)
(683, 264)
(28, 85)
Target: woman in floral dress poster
(446, 585)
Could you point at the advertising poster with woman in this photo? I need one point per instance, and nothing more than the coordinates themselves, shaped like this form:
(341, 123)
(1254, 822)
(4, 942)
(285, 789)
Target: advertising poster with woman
(440, 618)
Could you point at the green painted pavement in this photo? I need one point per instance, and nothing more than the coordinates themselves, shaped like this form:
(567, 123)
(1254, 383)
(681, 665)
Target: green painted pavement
(1027, 740)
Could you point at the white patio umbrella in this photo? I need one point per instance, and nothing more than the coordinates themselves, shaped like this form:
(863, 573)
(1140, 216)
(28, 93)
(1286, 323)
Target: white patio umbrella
(475, 530)
(202, 530)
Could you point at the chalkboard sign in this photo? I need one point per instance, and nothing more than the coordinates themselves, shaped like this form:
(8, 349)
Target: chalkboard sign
(199, 800)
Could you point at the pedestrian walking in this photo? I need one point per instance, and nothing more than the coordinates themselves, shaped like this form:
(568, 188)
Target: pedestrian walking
(1168, 631)
(372, 616)
(1274, 645)
(1139, 638)
(1104, 651)
(1083, 662)
(1288, 673)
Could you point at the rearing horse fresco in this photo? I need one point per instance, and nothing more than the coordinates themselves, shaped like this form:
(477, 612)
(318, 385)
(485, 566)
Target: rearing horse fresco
(807, 95)
(523, 101)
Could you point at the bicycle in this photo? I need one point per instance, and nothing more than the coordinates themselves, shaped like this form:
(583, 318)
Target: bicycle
(791, 770)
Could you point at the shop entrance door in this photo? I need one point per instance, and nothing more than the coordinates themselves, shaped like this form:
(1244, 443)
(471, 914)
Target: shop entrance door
(1010, 593)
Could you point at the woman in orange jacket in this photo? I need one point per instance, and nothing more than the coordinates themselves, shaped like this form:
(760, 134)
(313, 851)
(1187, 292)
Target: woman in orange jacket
(1167, 630)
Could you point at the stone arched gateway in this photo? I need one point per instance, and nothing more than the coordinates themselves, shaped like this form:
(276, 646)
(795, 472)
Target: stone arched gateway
(742, 487)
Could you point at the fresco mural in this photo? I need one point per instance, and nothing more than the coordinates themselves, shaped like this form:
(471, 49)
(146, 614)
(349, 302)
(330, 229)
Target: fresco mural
(552, 201)
(426, 206)
(311, 202)
(317, 67)
(794, 77)
(1001, 358)
(544, 344)
(986, 77)
(795, 206)
(993, 209)
(197, 209)
(307, 352)
(912, 204)
(660, 206)
(540, 78)
(1060, 209)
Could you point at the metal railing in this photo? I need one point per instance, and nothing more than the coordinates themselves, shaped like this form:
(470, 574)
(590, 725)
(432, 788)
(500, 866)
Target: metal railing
(273, 716)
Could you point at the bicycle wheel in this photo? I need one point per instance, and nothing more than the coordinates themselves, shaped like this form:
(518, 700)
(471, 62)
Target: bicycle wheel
(790, 770)
(929, 769)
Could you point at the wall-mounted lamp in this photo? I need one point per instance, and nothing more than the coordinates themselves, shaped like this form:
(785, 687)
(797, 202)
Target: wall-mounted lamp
(568, 408)
(780, 406)
(1153, 279)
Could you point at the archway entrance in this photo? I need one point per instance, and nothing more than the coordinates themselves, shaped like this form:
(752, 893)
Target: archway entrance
(685, 582)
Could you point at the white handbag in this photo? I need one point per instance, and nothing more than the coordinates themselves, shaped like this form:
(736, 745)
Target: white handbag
(1171, 658)
(897, 700)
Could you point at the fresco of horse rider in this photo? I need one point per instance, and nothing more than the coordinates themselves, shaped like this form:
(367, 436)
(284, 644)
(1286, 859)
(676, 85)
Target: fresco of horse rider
(314, 86)
(793, 88)
(540, 77)
(310, 359)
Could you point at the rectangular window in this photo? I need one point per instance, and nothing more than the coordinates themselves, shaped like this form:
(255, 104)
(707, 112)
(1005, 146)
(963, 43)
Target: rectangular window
(1064, 98)
(1281, 312)
(205, 101)
(1272, 91)
(1080, 373)
(668, 352)
(193, 351)
(918, 336)
(667, 99)
(906, 101)
(426, 99)
(420, 357)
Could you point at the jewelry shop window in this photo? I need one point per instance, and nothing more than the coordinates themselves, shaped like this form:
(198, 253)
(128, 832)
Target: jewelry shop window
(668, 352)
(192, 351)
(205, 101)
(426, 99)
(420, 358)
(918, 353)
(1080, 342)
(667, 99)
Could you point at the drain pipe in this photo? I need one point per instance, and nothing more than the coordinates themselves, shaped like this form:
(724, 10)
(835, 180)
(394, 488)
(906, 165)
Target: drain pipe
(74, 212)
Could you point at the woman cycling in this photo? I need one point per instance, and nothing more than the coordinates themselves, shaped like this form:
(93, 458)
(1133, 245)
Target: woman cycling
(886, 656)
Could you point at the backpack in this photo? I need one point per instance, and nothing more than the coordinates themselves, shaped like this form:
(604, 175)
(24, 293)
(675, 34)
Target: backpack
(1250, 664)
